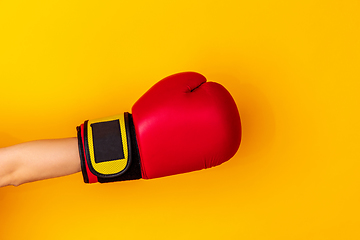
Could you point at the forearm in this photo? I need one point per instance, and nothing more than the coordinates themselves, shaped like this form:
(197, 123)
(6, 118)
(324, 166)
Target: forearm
(37, 160)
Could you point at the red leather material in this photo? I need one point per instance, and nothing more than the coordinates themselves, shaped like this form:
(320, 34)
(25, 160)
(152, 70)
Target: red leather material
(184, 123)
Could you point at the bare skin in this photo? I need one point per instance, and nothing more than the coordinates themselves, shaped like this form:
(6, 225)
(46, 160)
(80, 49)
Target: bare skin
(38, 160)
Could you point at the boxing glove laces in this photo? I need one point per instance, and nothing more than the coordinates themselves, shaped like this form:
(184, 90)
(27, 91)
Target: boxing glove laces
(181, 124)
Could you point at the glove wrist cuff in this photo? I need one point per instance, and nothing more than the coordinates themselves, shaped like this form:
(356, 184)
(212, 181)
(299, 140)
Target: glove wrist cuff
(108, 149)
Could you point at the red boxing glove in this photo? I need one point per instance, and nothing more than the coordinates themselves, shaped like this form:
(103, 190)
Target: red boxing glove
(182, 124)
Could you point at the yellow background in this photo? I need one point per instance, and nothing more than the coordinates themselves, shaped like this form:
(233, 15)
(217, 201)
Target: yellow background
(292, 67)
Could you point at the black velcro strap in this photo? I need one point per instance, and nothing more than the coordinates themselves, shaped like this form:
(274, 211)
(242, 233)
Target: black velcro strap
(134, 170)
(106, 142)
(108, 145)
